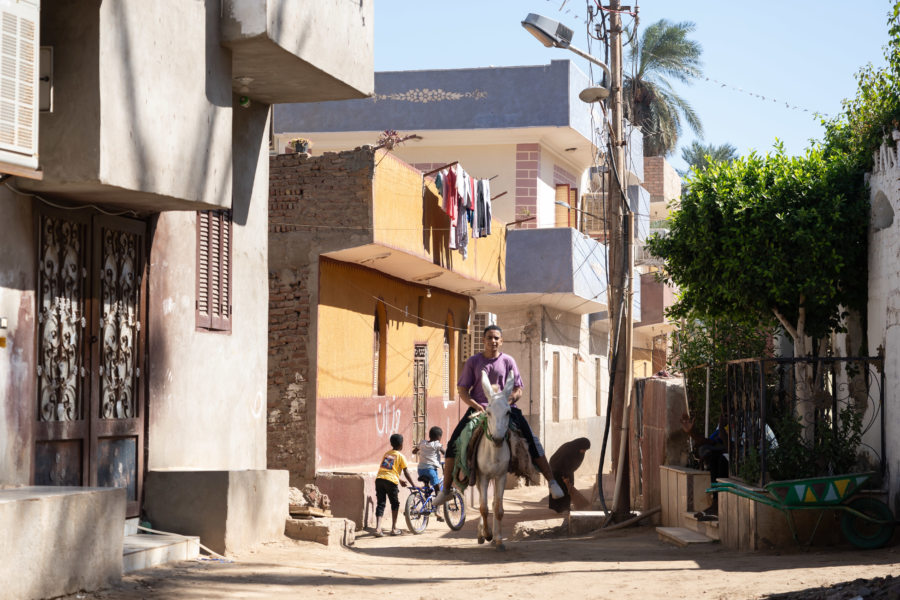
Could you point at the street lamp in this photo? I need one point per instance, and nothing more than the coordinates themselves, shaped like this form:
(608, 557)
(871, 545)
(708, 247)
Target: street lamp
(554, 34)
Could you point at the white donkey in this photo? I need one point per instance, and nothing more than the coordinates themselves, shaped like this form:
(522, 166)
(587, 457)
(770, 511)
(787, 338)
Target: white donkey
(493, 459)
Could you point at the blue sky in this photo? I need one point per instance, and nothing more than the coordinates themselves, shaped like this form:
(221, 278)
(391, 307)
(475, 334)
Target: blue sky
(803, 53)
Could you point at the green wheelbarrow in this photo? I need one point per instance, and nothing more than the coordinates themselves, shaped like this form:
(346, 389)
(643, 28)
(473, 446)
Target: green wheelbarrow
(866, 522)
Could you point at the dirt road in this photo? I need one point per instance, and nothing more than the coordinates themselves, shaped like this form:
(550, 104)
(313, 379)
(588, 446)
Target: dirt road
(440, 564)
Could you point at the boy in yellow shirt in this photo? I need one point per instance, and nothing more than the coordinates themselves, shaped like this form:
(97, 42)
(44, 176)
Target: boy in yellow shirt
(387, 482)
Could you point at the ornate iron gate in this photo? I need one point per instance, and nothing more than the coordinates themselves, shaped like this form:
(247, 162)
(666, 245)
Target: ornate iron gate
(420, 392)
(90, 397)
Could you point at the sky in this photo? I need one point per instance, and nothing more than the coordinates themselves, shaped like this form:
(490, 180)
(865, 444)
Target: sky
(801, 55)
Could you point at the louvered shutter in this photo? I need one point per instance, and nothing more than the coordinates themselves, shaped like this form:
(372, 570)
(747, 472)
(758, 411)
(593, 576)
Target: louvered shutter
(214, 270)
(560, 207)
(18, 83)
(220, 274)
(203, 266)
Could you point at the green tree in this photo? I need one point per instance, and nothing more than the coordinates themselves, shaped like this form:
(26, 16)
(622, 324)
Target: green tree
(699, 155)
(868, 118)
(773, 236)
(664, 53)
(699, 342)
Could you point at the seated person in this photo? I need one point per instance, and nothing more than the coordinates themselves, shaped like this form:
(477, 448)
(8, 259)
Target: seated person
(713, 453)
(429, 452)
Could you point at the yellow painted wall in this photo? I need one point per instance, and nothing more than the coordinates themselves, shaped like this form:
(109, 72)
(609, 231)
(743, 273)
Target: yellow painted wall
(348, 296)
(403, 208)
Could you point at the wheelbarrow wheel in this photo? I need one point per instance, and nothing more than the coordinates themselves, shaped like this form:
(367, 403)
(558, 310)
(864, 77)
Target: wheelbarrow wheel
(867, 533)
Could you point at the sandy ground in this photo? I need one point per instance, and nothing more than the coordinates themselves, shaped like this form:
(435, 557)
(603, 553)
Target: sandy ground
(441, 564)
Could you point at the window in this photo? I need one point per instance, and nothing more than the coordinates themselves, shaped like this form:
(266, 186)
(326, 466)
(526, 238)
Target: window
(19, 87)
(214, 270)
(575, 386)
(564, 211)
(481, 321)
(379, 350)
(561, 207)
(555, 390)
(449, 367)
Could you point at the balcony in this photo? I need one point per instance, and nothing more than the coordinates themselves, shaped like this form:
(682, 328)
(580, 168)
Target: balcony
(145, 116)
(558, 268)
(370, 208)
(656, 297)
(289, 51)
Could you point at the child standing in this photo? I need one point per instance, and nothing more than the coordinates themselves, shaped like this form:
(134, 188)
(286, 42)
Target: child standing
(387, 484)
(430, 457)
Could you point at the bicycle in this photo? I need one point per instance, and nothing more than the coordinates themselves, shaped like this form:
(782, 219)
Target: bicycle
(420, 506)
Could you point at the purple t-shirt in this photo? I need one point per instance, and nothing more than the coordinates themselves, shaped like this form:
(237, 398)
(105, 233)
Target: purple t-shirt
(497, 370)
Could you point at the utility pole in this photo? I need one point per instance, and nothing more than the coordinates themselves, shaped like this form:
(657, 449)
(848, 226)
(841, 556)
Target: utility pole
(620, 271)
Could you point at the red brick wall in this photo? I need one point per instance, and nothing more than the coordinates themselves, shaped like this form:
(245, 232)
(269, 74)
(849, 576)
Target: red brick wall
(660, 179)
(315, 204)
(528, 165)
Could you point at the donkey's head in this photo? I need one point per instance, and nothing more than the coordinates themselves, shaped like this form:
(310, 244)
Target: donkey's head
(497, 408)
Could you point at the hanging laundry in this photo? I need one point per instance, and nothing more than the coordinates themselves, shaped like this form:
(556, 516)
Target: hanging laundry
(483, 208)
(462, 230)
(450, 194)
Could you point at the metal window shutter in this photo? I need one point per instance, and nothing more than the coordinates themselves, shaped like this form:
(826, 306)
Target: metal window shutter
(203, 267)
(18, 82)
(220, 271)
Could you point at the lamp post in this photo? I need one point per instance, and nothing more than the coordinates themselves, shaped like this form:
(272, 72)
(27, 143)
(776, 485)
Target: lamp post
(621, 265)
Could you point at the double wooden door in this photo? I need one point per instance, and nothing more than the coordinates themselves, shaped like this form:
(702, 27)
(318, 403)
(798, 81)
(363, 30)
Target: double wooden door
(91, 289)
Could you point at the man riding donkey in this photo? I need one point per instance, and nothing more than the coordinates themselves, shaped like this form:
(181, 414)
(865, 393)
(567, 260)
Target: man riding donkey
(498, 367)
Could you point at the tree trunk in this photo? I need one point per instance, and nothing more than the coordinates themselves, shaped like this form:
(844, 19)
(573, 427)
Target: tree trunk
(804, 407)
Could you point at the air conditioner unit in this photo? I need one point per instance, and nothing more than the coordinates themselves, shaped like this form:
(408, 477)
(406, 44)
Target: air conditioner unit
(475, 338)
(594, 210)
(19, 52)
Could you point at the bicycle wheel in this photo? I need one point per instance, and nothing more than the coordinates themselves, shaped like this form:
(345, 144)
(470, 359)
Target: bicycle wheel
(864, 533)
(455, 511)
(416, 513)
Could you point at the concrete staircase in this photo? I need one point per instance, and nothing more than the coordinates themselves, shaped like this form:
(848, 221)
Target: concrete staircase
(708, 528)
(683, 493)
(145, 550)
(692, 531)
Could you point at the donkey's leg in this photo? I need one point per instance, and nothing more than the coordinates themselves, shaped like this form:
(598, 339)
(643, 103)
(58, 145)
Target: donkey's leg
(499, 488)
(484, 530)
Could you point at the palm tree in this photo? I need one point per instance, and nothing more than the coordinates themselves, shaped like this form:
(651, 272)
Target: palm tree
(664, 53)
(699, 156)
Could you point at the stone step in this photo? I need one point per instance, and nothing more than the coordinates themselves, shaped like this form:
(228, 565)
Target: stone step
(708, 528)
(681, 536)
(143, 551)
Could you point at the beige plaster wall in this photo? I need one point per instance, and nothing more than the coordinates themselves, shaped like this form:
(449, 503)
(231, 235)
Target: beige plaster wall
(207, 400)
(17, 306)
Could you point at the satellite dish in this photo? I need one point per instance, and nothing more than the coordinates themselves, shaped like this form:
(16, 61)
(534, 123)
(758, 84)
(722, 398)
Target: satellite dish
(593, 94)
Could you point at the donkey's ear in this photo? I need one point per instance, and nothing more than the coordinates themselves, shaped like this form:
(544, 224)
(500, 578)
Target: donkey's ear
(510, 384)
(486, 385)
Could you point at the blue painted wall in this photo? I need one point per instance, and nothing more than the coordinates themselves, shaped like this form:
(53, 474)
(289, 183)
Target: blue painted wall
(558, 260)
(493, 97)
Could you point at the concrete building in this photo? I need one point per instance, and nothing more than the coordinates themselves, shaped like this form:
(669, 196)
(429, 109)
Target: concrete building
(884, 306)
(539, 149)
(133, 308)
(368, 305)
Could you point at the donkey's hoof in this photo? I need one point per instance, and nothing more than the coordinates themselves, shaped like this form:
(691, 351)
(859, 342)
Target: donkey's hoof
(489, 537)
(480, 539)
(500, 546)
